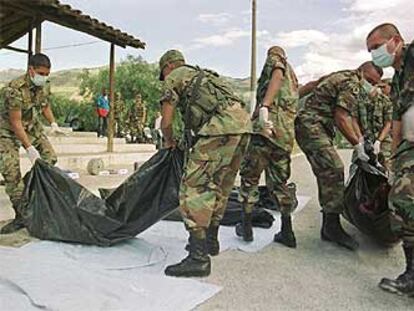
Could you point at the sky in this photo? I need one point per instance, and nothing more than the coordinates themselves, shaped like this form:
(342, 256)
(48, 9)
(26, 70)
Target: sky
(319, 36)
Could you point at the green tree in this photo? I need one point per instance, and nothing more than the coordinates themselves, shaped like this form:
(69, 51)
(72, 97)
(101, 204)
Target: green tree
(132, 76)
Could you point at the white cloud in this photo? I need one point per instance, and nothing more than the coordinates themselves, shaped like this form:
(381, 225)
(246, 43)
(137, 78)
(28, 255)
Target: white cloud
(346, 49)
(215, 19)
(369, 6)
(227, 38)
(299, 38)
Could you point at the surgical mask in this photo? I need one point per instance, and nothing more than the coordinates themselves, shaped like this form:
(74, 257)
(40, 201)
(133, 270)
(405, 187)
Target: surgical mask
(381, 57)
(367, 86)
(39, 80)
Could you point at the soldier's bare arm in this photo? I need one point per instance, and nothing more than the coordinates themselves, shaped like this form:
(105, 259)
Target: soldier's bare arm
(48, 114)
(15, 119)
(274, 86)
(396, 134)
(307, 88)
(385, 131)
(344, 123)
(357, 129)
(167, 111)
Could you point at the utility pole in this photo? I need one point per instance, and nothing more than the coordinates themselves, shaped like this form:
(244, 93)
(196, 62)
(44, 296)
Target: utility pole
(253, 60)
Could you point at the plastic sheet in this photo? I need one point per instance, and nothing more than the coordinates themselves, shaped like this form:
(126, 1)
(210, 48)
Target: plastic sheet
(58, 208)
(366, 202)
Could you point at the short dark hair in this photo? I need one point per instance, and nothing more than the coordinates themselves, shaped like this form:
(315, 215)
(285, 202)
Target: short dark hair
(368, 64)
(386, 30)
(40, 60)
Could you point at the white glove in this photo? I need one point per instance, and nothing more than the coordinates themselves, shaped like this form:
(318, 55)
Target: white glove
(55, 129)
(264, 121)
(33, 154)
(377, 147)
(360, 150)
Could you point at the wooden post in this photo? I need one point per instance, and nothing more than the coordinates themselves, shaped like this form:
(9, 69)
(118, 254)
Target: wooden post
(29, 45)
(38, 41)
(253, 61)
(110, 145)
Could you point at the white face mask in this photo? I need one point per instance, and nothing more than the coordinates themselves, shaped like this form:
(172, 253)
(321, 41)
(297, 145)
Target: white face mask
(39, 80)
(381, 57)
(367, 86)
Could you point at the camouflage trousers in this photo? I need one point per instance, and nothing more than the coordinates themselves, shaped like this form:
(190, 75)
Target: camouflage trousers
(208, 179)
(326, 164)
(261, 156)
(10, 162)
(401, 196)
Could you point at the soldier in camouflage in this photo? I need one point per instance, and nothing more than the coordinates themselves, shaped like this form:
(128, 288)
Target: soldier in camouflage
(373, 114)
(217, 131)
(271, 145)
(136, 120)
(388, 49)
(21, 102)
(329, 106)
(119, 114)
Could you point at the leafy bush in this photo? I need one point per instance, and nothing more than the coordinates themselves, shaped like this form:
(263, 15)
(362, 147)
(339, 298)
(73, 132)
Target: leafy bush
(66, 110)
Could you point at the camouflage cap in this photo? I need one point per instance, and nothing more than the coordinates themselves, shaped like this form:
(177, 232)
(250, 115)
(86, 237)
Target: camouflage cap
(276, 50)
(169, 57)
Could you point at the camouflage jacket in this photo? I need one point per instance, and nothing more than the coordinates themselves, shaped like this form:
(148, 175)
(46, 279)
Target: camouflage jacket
(283, 109)
(216, 110)
(136, 115)
(402, 92)
(119, 109)
(403, 83)
(339, 89)
(372, 114)
(21, 94)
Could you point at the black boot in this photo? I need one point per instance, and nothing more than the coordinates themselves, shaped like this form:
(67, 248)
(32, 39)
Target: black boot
(332, 231)
(213, 245)
(15, 225)
(403, 284)
(197, 263)
(286, 236)
(245, 228)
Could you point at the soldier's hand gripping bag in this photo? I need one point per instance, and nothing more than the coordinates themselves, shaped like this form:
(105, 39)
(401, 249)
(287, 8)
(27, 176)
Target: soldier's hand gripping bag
(55, 207)
(366, 202)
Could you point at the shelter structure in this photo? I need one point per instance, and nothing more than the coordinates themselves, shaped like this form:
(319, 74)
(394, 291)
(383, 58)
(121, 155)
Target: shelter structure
(21, 17)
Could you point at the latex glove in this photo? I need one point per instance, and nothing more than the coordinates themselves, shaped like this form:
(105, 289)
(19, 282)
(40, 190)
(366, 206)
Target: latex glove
(264, 121)
(360, 150)
(377, 147)
(33, 154)
(55, 129)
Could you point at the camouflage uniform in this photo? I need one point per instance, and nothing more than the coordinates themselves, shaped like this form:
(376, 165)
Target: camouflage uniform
(21, 94)
(401, 197)
(119, 114)
(222, 139)
(372, 113)
(315, 131)
(136, 121)
(272, 152)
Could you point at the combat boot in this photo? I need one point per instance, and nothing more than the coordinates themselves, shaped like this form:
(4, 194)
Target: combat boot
(332, 231)
(403, 284)
(245, 228)
(197, 263)
(286, 236)
(213, 245)
(16, 224)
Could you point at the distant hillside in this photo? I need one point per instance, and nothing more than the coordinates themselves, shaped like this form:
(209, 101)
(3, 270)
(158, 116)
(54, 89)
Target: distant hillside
(66, 82)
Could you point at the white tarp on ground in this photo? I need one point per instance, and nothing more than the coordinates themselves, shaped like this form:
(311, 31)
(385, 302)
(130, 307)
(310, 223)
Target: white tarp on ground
(60, 276)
